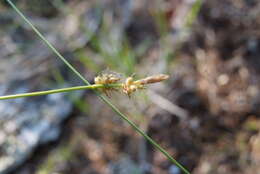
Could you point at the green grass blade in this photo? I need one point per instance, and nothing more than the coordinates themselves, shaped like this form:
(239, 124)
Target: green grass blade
(31, 94)
(47, 42)
(135, 127)
(148, 138)
(193, 13)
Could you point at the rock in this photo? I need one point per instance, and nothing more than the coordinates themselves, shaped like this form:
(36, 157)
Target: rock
(25, 63)
(124, 166)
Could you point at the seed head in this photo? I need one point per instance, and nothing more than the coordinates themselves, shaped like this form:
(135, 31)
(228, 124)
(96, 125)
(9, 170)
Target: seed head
(131, 86)
(105, 79)
(153, 79)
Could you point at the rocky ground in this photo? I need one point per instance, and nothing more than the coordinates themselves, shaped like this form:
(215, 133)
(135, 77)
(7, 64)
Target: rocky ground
(206, 115)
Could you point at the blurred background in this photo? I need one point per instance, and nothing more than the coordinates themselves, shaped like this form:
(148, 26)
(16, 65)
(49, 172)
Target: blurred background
(206, 115)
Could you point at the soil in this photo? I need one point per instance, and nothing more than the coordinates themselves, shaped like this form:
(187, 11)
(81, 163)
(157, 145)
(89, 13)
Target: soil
(214, 78)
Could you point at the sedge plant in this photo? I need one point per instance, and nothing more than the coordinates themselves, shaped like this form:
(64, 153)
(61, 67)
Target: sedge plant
(103, 83)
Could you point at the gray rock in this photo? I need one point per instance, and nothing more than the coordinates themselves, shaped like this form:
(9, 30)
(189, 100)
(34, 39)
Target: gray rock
(125, 166)
(26, 123)
(25, 63)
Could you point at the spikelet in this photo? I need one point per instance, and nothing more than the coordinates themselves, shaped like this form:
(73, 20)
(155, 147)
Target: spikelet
(131, 86)
(106, 79)
(152, 79)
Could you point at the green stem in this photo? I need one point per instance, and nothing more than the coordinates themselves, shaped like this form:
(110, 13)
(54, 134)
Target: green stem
(149, 139)
(31, 94)
(48, 43)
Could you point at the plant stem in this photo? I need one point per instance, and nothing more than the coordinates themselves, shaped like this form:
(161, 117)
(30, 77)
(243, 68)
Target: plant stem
(47, 42)
(31, 94)
(147, 137)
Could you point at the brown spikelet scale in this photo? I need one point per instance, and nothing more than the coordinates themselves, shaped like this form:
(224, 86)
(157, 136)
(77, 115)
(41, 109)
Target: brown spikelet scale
(153, 79)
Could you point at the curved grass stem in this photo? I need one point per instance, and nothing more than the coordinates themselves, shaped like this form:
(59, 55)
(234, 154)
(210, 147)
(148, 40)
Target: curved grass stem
(31, 94)
(135, 127)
